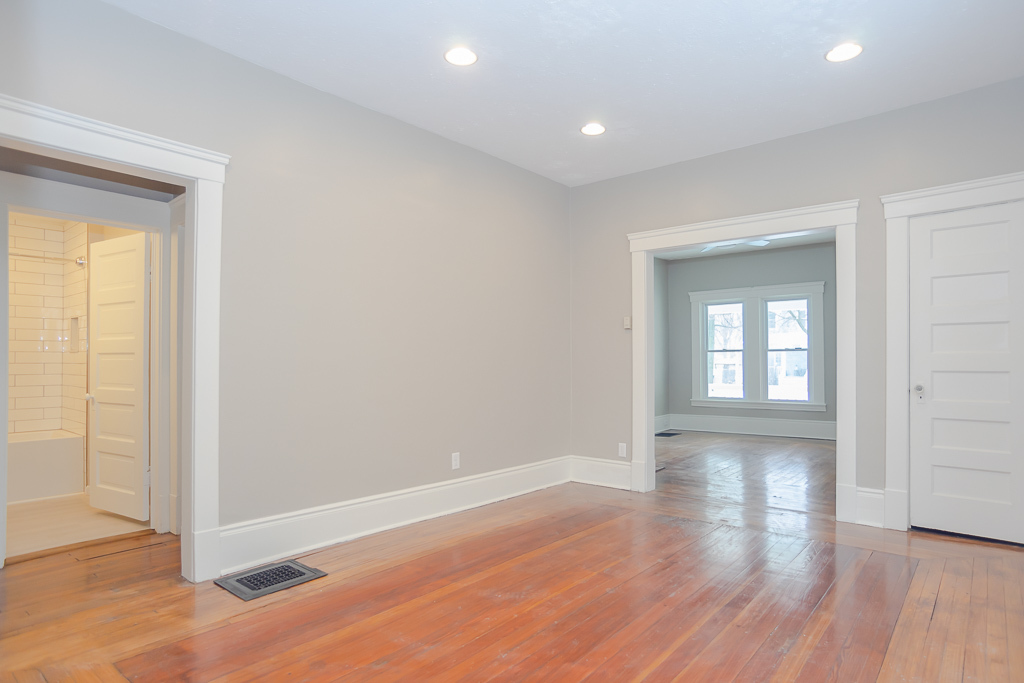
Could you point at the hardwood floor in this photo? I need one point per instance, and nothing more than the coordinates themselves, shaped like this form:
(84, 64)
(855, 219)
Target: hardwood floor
(732, 570)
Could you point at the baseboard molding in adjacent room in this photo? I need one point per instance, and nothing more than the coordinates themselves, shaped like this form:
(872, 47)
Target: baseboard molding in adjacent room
(248, 544)
(758, 426)
(662, 422)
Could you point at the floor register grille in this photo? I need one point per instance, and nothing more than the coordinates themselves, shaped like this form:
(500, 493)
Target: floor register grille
(270, 578)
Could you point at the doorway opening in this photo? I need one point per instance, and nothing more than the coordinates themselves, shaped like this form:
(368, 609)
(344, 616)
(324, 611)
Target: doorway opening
(837, 219)
(745, 378)
(195, 241)
(85, 320)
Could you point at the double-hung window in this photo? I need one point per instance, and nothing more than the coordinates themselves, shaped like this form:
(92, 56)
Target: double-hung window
(759, 347)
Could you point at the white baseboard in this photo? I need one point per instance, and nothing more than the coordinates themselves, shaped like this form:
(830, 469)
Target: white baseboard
(870, 507)
(662, 422)
(202, 564)
(611, 473)
(760, 426)
(248, 544)
(897, 509)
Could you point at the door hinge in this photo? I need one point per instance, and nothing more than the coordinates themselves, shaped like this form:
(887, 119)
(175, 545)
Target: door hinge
(147, 478)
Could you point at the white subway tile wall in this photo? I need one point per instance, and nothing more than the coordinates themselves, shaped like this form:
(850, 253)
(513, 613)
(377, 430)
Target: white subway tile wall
(47, 373)
(76, 310)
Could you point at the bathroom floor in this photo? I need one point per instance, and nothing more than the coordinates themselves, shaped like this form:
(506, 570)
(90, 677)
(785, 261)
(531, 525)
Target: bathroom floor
(53, 522)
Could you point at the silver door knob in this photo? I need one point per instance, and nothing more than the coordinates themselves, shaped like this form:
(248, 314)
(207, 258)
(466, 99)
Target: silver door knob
(919, 388)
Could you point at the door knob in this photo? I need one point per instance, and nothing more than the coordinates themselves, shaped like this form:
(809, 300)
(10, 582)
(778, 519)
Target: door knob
(919, 388)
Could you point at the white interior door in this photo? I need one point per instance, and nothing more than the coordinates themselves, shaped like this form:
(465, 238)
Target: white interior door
(966, 317)
(118, 375)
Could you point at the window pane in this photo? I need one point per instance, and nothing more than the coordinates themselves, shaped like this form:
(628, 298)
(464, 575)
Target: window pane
(725, 327)
(787, 324)
(725, 374)
(787, 376)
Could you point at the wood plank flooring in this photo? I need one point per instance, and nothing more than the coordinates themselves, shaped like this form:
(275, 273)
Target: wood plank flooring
(734, 570)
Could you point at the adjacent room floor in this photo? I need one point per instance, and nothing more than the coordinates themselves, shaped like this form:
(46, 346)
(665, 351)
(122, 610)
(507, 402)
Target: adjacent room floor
(727, 572)
(778, 483)
(37, 525)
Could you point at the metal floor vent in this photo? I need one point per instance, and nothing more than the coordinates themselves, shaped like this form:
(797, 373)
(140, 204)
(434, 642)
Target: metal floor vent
(671, 432)
(270, 578)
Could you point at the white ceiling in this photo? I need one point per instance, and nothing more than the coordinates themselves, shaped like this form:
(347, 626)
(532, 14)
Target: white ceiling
(670, 80)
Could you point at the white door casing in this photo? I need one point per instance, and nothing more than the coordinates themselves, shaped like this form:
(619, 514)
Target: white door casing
(43, 130)
(966, 308)
(118, 432)
(840, 218)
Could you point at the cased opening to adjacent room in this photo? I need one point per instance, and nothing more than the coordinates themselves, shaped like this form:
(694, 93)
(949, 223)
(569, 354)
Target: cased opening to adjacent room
(745, 376)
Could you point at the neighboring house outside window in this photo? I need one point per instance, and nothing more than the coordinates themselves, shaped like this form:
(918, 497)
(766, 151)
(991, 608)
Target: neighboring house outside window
(759, 347)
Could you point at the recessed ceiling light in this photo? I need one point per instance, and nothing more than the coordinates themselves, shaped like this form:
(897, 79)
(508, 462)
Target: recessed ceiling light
(460, 56)
(592, 128)
(841, 53)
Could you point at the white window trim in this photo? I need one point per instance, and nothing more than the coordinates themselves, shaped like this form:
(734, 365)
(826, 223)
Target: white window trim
(755, 342)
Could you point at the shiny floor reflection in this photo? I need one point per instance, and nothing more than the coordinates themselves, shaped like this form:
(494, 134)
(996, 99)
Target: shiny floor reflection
(727, 572)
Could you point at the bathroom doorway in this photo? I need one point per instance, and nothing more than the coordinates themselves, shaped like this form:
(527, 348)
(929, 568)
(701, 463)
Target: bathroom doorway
(88, 382)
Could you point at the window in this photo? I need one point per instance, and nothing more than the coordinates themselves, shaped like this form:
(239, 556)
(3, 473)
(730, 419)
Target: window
(725, 350)
(761, 347)
(787, 350)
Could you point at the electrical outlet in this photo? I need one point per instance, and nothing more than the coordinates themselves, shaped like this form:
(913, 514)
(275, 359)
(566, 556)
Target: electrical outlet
(455, 461)
(622, 450)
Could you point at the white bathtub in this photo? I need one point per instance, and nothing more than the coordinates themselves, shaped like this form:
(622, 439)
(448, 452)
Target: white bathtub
(44, 464)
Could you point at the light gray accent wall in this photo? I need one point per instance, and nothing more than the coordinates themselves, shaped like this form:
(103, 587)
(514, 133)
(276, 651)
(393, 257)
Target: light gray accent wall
(661, 348)
(388, 296)
(813, 263)
(968, 136)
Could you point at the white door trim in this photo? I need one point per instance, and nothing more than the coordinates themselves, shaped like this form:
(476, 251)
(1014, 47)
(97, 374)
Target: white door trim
(899, 209)
(840, 217)
(44, 130)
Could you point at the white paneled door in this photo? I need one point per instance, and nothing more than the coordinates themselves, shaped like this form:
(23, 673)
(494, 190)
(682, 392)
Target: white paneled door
(118, 375)
(966, 327)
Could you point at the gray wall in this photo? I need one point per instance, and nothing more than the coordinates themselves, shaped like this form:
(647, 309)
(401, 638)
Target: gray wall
(661, 341)
(388, 296)
(812, 263)
(964, 137)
